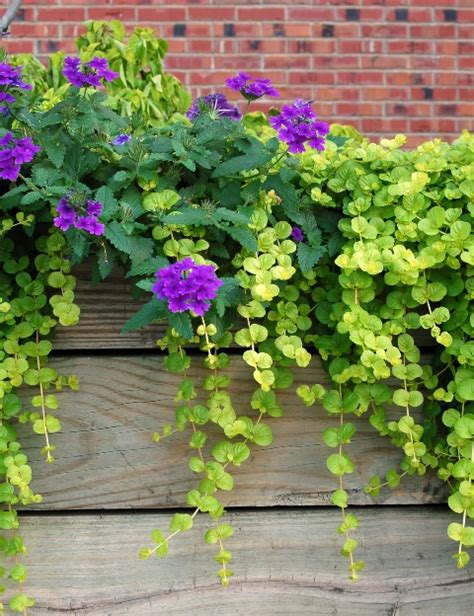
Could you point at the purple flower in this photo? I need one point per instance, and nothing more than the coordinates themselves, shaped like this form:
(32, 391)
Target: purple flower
(121, 139)
(13, 153)
(80, 216)
(251, 89)
(297, 125)
(10, 76)
(185, 285)
(6, 97)
(94, 208)
(297, 234)
(90, 224)
(214, 104)
(89, 73)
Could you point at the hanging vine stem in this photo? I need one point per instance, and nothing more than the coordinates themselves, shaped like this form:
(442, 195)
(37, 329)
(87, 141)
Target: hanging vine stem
(350, 544)
(48, 448)
(225, 573)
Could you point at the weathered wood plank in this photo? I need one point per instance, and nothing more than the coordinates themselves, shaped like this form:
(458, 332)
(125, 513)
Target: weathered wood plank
(286, 562)
(106, 307)
(105, 457)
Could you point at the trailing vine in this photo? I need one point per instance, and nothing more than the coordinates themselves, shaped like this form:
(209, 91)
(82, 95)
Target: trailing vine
(275, 237)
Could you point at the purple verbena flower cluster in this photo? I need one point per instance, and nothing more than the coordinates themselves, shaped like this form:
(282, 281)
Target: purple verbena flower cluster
(185, 285)
(251, 89)
(121, 139)
(214, 104)
(10, 77)
(80, 217)
(297, 125)
(13, 153)
(297, 234)
(86, 74)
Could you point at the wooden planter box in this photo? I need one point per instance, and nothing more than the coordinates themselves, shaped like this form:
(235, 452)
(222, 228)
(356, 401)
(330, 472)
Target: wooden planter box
(110, 486)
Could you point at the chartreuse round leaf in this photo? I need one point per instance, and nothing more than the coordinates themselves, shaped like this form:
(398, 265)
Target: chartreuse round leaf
(339, 464)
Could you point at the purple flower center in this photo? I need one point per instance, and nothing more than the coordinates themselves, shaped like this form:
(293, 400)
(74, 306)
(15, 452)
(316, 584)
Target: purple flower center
(251, 89)
(215, 105)
(121, 139)
(297, 125)
(297, 234)
(87, 73)
(185, 285)
(13, 153)
(10, 77)
(84, 217)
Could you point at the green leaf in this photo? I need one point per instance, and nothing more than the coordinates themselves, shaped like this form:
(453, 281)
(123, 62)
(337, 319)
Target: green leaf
(465, 389)
(186, 216)
(163, 200)
(181, 322)
(255, 157)
(331, 437)
(181, 522)
(243, 236)
(262, 435)
(308, 255)
(110, 204)
(153, 310)
(149, 266)
(8, 520)
(20, 603)
(339, 464)
(340, 498)
(175, 363)
(138, 248)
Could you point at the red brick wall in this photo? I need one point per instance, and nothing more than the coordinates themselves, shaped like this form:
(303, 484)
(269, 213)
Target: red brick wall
(386, 66)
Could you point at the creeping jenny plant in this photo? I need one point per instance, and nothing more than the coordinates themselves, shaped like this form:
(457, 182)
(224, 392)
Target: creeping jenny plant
(285, 243)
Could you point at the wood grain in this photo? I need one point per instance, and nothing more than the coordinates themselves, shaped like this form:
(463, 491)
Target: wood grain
(286, 562)
(106, 307)
(105, 457)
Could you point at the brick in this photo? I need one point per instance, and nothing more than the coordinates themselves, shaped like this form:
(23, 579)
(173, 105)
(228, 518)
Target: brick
(421, 15)
(258, 14)
(386, 93)
(327, 30)
(107, 13)
(320, 13)
(384, 125)
(421, 126)
(266, 46)
(384, 62)
(384, 30)
(211, 13)
(450, 15)
(146, 14)
(408, 110)
(359, 109)
(437, 31)
(295, 77)
(238, 62)
(335, 61)
(466, 63)
(229, 30)
(361, 59)
(398, 15)
(290, 62)
(189, 61)
(60, 14)
(298, 30)
(336, 94)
